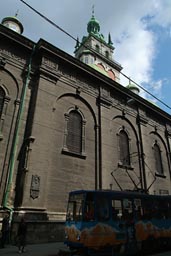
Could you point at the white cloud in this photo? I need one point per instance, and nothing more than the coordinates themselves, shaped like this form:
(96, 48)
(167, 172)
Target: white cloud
(136, 44)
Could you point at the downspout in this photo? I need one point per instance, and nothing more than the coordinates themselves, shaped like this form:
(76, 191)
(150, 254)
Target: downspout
(141, 150)
(167, 135)
(100, 140)
(15, 139)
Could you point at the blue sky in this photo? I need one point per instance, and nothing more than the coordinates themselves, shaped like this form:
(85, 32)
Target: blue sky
(140, 31)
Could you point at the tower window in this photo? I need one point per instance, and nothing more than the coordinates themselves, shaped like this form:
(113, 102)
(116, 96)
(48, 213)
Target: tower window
(86, 60)
(91, 60)
(97, 48)
(107, 54)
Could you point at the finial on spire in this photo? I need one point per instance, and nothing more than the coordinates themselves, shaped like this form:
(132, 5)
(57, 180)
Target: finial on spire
(93, 10)
(16, 14)
(110, 40)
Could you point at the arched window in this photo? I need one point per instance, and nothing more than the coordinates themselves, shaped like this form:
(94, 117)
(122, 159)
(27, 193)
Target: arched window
(2, 97)
(107, 54)
(158, 159)
(97, 48)
(124, 148)
(74, 132)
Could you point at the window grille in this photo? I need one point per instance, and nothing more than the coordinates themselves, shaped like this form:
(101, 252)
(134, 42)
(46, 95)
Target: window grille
(124, 148)
(158, 159)
(2, 97)
(74, 132)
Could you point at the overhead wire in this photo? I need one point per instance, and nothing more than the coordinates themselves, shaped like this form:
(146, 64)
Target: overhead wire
(77, 41)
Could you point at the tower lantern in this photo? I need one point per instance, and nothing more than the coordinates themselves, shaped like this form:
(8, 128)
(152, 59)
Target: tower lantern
(13, 23)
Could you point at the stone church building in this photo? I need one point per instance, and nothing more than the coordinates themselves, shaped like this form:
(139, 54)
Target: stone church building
(66, 123)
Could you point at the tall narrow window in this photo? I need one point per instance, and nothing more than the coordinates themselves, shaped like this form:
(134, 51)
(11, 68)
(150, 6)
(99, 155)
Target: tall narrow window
(107, 54)
(74, 132)
(124, 148)
(2, 96)
(97, 48)
(86, 59)
(158, 159)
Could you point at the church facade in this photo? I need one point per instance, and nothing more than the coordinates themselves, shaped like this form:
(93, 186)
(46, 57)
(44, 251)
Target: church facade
(66, 123)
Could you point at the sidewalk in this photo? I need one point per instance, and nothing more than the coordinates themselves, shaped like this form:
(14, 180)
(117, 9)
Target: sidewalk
(49, 249)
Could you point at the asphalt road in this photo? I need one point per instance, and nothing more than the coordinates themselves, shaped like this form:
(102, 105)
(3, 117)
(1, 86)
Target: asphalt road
(49, 249)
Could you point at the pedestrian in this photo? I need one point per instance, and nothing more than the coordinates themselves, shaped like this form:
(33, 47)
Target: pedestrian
(5, 231)
(21, 234)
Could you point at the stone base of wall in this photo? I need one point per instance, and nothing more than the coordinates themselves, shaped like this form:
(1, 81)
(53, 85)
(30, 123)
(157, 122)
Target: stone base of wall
(39, 228)
(40, 232)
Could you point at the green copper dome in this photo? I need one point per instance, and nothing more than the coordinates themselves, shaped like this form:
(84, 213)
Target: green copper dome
(132, 87)
(93, 26)
(13, 23)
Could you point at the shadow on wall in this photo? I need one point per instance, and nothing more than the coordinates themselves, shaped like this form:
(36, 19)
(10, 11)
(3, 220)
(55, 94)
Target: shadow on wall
(39, 228)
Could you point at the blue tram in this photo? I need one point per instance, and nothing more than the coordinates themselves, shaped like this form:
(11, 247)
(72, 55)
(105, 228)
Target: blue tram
(117, 222)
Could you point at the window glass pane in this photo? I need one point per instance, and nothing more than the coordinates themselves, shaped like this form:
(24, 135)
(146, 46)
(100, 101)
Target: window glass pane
(97, 48)
(127, 210)
(116, 209)
(86, 60)
(124, 148)
(107, 54)
(147, 209)
(2, 96)
(158, 159)
(102, 208)
(75, 207)
(138, 209)
(89, 208)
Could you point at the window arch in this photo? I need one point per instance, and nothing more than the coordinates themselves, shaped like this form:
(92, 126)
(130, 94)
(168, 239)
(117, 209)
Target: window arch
(124, 152)
(2, 98)
(111, 74)
(74, 137)
(158, 159)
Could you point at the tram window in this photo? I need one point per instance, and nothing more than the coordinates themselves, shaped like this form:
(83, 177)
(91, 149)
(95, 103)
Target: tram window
(169, 210)
(156, 212)
(147, 209)
(138, 209)
(163, 209)
(89, 207)
(116, 209)
(127, 209)
(70, 211)
(75, 207)
(102, 208)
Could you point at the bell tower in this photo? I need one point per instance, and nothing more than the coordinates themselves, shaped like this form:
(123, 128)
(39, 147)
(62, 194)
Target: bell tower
(96, 52)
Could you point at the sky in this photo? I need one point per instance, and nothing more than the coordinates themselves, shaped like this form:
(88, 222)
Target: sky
(140, 31)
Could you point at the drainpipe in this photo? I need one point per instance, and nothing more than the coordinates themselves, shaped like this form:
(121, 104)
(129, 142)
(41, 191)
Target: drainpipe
(15, 139)
(100, 140)
(141, 151)
(167, 135)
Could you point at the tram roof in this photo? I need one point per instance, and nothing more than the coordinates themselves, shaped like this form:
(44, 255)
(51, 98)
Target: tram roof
(124, 193)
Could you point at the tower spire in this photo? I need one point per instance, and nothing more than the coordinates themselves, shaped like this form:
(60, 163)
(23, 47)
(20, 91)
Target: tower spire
(16, 14)
(93, 10)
